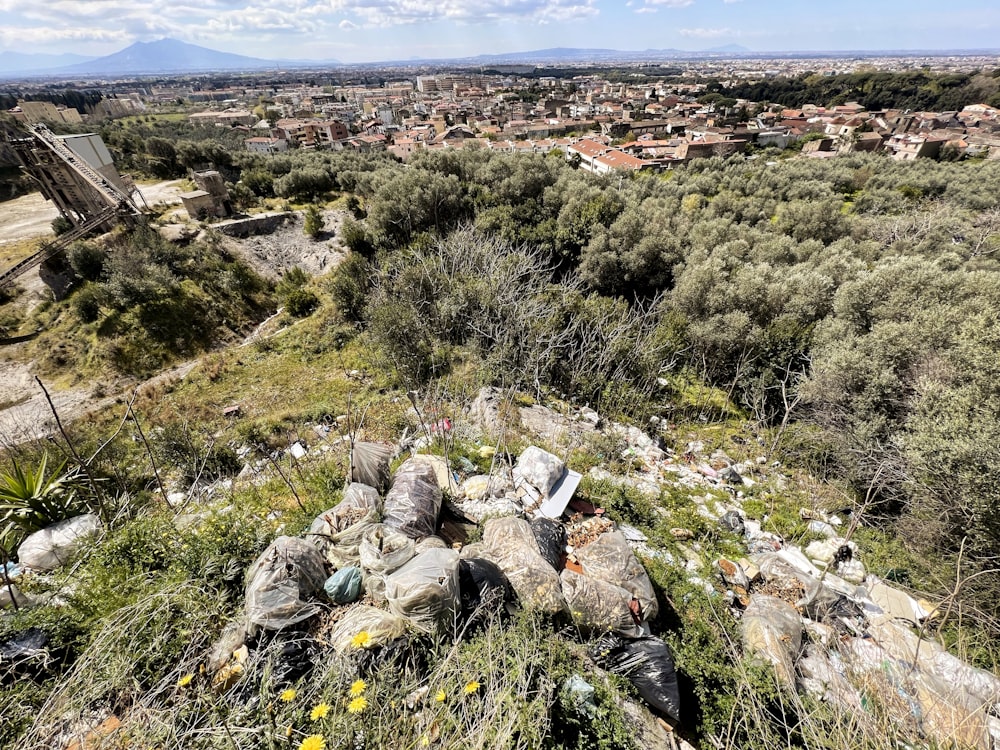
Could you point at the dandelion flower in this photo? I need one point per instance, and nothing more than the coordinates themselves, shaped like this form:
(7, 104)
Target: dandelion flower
(357, 688)
(185, 680)
(424, 740)
(470, 687)
(287, 696)
(439, 696)
(313, 742)
(319, 711)
(362, 639)
(357, 705)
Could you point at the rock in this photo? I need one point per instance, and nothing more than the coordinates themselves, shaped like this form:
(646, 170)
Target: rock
(681, 534)
(732, 573)
(730, 475)
(485, 409)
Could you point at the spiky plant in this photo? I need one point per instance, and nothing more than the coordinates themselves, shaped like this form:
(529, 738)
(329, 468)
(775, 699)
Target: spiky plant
(31, 499)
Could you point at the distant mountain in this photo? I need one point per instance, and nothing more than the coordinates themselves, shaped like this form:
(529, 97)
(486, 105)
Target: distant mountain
(738, 49)
(21, 62)
(165, 56)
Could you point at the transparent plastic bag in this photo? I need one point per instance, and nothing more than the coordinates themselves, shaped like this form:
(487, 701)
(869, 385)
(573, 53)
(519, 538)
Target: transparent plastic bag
(381, 551)
(413, 502)
(337, 532)
(280, 582)
(598, 606)
(370, 464)
(610, 558)
(510, 543)
(365, 627)
(425, 590)
(772, 629)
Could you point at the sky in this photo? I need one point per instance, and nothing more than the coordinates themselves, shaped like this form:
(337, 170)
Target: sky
(373, 30)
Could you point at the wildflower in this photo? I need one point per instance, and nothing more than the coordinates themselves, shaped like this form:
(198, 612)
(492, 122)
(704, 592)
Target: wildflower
(439, 696)
(313, 742)
(357, 688)
(319, 711)
(424, 740)
(185, 680)
(470, 687)
(362, 639)
(287, 696)
(357, 705)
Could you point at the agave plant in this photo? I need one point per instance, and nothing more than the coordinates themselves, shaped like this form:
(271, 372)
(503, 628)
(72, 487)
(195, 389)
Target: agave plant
(32, 499)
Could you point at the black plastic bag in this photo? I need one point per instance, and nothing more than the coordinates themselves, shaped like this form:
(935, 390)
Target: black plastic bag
(550, 536)
(733, 521)
(648, 664)
(483, 587)
(25, 654)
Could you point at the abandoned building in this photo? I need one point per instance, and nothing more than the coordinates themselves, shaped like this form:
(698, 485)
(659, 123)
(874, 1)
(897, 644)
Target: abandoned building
(77, 174)
(210, 199)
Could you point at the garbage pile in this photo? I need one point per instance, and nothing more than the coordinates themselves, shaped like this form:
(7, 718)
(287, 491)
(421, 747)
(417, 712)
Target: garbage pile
(379, 566)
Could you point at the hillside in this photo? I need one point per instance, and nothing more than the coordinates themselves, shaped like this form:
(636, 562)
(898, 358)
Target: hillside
(776, 379)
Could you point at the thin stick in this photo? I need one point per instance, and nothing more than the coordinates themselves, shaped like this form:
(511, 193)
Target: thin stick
(72, 449)
(107, 442)
(149, 451)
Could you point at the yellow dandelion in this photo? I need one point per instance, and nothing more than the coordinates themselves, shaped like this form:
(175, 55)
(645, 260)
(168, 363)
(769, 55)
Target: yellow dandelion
(287, 696)
(424, 740)
(470, 687)
(362, 639)
(185, 680)
(313, 742)
(357, 705)
(319, 711)
(439, 696)
(358, 687)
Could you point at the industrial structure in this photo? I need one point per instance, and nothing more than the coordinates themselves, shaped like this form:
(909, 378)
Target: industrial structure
(77, 174)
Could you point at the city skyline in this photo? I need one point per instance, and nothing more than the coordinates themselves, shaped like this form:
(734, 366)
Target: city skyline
(356, 31)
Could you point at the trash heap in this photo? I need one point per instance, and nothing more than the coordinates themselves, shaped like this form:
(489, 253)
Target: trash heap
(380, 566)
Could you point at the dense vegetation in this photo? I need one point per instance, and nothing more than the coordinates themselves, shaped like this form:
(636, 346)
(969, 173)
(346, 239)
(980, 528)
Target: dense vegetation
(917, 90)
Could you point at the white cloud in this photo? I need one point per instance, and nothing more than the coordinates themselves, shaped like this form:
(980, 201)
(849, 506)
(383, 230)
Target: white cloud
(395, 12)
(347, 25)
(671, 3)
(707, 33)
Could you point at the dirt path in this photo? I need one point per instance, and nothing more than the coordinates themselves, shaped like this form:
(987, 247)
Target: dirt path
(25, 217)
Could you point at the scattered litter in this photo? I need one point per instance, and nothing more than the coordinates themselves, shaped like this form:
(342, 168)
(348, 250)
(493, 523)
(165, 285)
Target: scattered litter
(413, 502)
(370, 464)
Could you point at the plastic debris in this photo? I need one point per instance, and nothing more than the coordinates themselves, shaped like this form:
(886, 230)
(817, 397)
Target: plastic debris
(344, 586)
(772, 629)
(610, 558)
(580, 695)
(425, 590)
(377, 626)
(510, 543)
(648, 664)
(550, 536)
(483, 588)
(337, 532)
(597, 606)
(370, 464)
(290, 571)
(381, 551)
(413, 502)
(54, 546)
